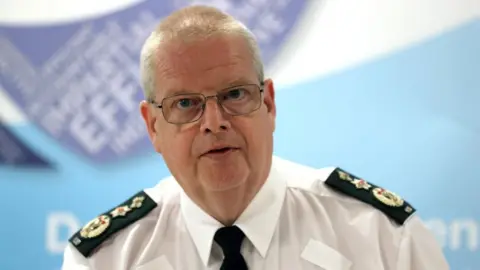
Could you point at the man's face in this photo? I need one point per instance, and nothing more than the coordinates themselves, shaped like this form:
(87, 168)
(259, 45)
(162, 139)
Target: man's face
(207, 67)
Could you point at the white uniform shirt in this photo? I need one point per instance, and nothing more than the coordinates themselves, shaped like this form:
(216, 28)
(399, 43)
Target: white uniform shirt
(295, 222)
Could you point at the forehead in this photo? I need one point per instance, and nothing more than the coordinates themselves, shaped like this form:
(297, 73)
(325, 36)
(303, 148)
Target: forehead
(204, 65)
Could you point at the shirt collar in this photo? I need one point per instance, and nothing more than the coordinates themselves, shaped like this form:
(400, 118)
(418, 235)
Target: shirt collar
(258, 221)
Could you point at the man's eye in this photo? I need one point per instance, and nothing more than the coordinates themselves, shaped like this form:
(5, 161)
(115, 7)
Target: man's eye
(234, 94)
(186, 103)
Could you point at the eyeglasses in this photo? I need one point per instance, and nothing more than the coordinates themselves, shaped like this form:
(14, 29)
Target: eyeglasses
(187, 108)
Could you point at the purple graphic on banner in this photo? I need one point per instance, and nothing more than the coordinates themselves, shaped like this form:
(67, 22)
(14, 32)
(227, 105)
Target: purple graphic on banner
(79, 82)
(14, 152)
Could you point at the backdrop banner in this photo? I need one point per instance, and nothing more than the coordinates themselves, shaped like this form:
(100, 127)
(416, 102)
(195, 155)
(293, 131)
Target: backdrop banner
(79, 82)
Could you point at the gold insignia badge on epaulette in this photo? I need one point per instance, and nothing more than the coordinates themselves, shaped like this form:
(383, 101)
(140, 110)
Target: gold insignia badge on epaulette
(137, 202)
(387, 197)
(120, 211)
(344, 176)
(95, 227)
(362, 190)
(361, 184)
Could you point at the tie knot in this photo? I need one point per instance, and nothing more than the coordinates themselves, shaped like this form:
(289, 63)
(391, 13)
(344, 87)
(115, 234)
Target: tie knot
(230, 240)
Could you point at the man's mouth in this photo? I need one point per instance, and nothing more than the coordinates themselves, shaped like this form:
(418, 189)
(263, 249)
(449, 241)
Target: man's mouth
(220, 151)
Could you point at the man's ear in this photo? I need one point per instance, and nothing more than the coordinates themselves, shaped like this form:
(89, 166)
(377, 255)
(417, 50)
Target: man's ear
(269, 100)
(150, 119)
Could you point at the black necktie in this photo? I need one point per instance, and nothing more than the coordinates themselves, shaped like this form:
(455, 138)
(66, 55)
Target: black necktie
(230, 240)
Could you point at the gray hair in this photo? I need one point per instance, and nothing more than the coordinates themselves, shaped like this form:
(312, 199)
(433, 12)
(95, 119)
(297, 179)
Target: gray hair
(191, 24)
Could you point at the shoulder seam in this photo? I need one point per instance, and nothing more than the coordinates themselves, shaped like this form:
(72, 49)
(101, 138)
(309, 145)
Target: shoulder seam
(344, 198)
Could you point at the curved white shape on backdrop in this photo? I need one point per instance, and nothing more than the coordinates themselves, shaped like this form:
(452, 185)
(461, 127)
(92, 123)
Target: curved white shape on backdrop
(338, 34)
(334, 34)
(48, 12)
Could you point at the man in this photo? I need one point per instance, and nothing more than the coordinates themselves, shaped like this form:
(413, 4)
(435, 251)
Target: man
(229, 204)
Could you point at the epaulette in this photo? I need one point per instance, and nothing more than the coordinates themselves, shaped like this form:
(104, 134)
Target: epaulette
(384, 200)
(95, 232)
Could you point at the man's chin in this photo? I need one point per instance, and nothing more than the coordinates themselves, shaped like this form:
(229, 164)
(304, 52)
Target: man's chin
(223, 179)
(223, 174)
(225, 187)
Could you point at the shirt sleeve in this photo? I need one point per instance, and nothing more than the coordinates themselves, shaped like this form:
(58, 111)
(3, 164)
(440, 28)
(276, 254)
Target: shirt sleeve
(419, 249)
(73, 260)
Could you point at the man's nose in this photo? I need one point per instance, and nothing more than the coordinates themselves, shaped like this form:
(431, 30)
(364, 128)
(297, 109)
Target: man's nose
(214, 119)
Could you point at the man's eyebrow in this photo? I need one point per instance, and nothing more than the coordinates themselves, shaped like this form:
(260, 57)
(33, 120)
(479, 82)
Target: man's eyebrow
(238, 81)
(228, 84)
(176, 92)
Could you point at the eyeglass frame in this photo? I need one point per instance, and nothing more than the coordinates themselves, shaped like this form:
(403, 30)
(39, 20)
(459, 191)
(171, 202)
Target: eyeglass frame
(205, 99)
